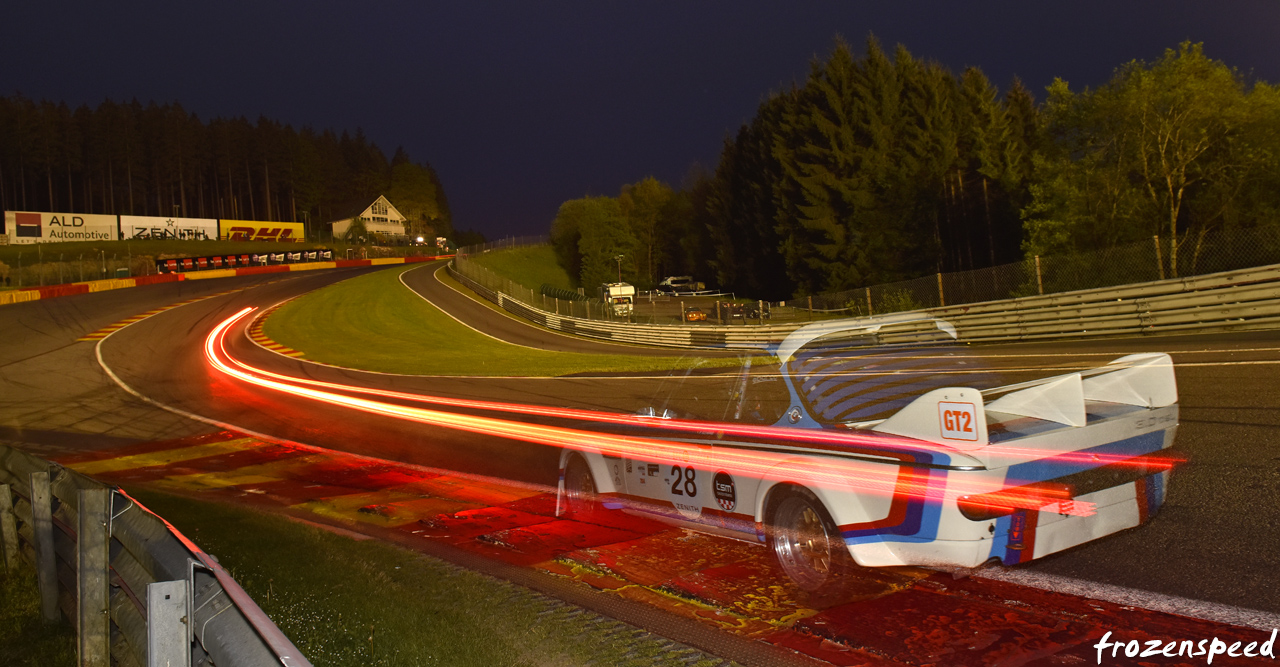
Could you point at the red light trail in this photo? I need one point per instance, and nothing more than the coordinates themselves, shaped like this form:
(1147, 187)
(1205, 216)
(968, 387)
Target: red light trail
(832, 474)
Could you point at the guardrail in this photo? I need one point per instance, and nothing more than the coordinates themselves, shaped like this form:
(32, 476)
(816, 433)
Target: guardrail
(136, 590)
(1231, 300)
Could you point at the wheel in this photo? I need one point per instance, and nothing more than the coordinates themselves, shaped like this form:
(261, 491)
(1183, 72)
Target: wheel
(805, 541)
(579, 486)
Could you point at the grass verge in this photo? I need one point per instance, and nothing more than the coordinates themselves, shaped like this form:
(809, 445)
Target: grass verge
(358, 603)
(26, 641)
(375, 323)
(530, 266)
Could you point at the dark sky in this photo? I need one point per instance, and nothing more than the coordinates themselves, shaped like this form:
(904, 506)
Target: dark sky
(521, 105)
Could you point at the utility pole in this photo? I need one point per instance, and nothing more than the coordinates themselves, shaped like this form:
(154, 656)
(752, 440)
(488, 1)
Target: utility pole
(619, 260)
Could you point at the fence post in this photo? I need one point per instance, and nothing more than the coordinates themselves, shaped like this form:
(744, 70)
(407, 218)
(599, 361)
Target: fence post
(92, 582)
(8, 528)
(942, 298)
(760, 309)
(869, 311)
(810, 307)
(168, 644)
(1159, 258)
(1039, 279)
(42, 524)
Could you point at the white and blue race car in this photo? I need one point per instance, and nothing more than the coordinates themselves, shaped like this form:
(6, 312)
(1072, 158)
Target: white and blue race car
(843, 452)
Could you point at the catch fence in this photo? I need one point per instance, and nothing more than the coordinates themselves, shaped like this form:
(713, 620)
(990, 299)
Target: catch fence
(1214, 251)
(1141, 262)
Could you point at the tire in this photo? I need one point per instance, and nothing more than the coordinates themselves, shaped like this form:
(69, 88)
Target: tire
(805, 541)
(579, 487)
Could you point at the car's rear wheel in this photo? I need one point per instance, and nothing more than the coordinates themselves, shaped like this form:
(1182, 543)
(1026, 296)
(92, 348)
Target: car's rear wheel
(805, 541)
(579, 486)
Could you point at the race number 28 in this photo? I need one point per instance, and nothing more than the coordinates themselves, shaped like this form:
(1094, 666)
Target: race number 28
(959, 421)
(684, 478)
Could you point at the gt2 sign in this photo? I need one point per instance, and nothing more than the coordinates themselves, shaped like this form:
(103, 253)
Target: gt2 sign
(959, 421)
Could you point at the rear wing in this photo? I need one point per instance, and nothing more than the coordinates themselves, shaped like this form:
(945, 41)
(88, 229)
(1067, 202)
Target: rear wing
(961, 417)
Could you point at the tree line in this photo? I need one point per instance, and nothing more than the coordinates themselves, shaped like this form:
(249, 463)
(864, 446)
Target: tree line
(881, 168)
(162, 160)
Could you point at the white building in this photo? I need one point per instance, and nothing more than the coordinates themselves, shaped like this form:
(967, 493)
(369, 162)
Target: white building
(380, 219)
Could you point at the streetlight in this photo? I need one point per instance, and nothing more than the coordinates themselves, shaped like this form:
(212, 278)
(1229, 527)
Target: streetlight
(619, 260)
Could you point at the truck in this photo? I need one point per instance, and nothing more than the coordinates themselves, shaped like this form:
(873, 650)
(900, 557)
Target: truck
(618, 296)
(680, 285)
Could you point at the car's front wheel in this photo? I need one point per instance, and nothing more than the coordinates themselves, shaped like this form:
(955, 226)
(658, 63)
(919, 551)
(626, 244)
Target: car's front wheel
(805, 541)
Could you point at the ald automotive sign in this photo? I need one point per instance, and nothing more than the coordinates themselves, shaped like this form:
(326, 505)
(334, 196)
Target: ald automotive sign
(49, 227)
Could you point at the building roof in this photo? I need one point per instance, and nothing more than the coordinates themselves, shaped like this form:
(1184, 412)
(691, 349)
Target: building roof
(392, 215)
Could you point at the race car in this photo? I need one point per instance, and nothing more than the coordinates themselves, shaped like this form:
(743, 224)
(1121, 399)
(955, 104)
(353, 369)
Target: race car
(692, 314)
(846, 451)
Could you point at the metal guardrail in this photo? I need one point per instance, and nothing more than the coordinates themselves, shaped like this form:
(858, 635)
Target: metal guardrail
(136, 590)
(1231, 300)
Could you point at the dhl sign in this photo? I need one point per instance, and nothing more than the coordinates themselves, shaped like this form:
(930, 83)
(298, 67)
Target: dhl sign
(256, 230)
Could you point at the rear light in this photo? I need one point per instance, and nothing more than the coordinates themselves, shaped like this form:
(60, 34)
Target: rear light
(988, 506)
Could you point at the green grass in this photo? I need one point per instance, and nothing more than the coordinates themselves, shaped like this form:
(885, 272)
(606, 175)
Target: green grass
(529, 266)
(375, 323)
(358, 603)
(26, 641)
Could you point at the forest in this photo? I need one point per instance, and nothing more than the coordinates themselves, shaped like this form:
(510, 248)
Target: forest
(135, 159)
(881, 168)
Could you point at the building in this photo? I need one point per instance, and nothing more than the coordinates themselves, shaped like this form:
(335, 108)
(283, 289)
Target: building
(381, 220)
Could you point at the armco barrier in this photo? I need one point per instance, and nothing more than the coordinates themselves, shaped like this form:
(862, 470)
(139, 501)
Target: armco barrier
(1231, 300)
(37, 293)
(312, 266)
(129, 582)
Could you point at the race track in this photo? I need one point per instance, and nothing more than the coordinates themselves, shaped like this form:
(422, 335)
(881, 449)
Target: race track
(1213, 541)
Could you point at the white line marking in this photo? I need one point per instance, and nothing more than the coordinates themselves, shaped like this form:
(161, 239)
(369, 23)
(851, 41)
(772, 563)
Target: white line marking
(527, 323)
(97, 348)
(1131, 597)
(433, 305)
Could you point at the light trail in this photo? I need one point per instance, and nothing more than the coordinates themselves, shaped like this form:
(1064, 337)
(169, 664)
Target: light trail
(844, 439)
(891, 479)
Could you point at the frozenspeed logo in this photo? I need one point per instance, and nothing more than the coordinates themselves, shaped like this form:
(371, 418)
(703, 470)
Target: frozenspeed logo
(1206, 648)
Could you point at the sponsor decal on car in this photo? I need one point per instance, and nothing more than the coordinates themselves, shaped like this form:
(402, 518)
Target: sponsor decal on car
(959, 420)
(724, 490)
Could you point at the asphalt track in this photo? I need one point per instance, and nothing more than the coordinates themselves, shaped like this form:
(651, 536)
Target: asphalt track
(1214, 540)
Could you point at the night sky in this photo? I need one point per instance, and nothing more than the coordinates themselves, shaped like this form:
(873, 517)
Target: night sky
(521, 105)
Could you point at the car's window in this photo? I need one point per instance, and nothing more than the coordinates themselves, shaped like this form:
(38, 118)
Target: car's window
(851, 377)
(754, 393)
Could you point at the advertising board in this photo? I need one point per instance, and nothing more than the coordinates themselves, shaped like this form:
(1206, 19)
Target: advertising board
(256, 230)
(29, 227)
(143, 228)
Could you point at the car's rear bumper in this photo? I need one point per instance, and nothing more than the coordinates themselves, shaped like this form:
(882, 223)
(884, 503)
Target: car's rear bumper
(1041, 532)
